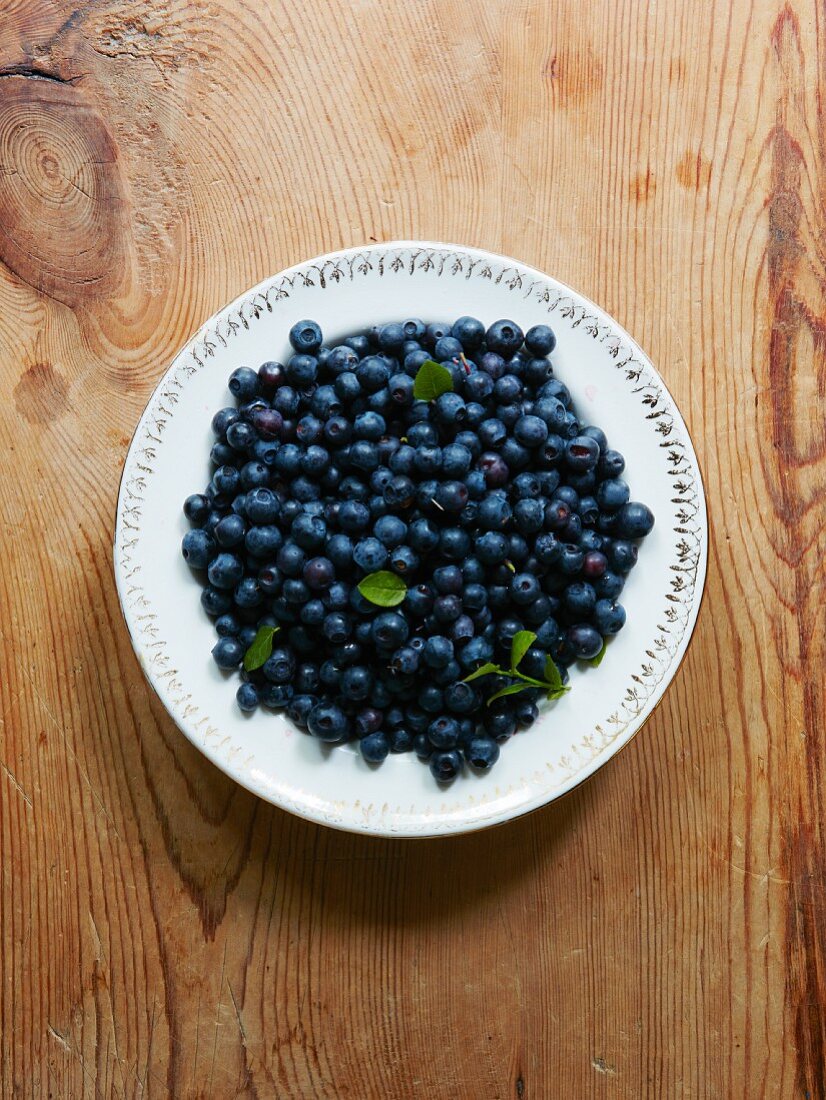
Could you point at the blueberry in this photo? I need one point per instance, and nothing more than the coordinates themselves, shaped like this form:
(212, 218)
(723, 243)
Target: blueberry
(438, 651)
(530, 431)
(225, 570)
(434, 331)
(405, 660)
(579, 600)
(196, 509)
(507, 391)
(427, 460)
(594, 564)
(447, 347)
(469, 332)
(337, 627)
(390, 629)
(547, 634)
(391, 337)
(418, 601)
(248, 593)
(240, 435)
(499, 724)
(299, 707)
(634, 520)
(230, 531)
(243, 383)
(585, 641)
(422, 747)
(450, 410)
(470, 441)
(445, 766)
(276, 696)
(247, 697)
(622, 556)
(263, 541)
(309, 532)
(570, 558)
(481, 753)
(609, 617)
(198, 548)
(524, 588)
(540, 340)
(228, 653)
(360, 344)
(413, 360)
(356, 682)
(318, 573)
(460, 698)
(403, 560)
(302, 370)
(215, 601)
(328, 722)
(374, 747)
(222, 454)
(295, 591)
(456, 460)
(443, 732)
(494, 468)
(609, 585)
(399, 492)
(341, 358)
(529, 516)
(454, 543)
(305, 336)
(451, 496)
(557, 514)
(400, 387)
(222, 420)
(504, 337)
(370, 555)
(526, 712)
(262, 505)
(372, 373)
(400, 739)
(347, 387)
(491, 548)
(611, 464)
(581, 453)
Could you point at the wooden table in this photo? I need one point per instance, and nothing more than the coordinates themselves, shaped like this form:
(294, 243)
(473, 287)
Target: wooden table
(658, 933)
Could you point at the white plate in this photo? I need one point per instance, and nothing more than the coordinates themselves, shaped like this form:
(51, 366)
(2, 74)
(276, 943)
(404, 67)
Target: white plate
(613, 384)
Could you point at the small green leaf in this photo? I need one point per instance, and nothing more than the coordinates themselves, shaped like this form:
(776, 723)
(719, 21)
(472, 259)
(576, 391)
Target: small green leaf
(260, 648)
(557, 693)
(595, 662)
(522, 642)
(432, 380)
(511, 689)
(384, 588)
(483, 670)
(510, 566)
(554, 680)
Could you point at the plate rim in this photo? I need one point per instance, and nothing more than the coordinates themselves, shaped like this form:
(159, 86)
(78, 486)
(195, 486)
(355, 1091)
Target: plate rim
(430, 829)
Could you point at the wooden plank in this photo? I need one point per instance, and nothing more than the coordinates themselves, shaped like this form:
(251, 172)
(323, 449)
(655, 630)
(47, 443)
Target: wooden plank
(660, 931)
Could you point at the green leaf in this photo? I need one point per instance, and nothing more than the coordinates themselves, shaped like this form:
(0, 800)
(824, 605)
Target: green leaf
(552, 677)
(511, 689)
(557, 693)
(482, 670)
(432, 380)
(260, 648)
(384, 588)
(522, 642)
(595, 662)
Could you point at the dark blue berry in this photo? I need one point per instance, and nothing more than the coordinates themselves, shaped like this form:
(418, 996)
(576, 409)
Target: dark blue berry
(445, 766)
(305, 336)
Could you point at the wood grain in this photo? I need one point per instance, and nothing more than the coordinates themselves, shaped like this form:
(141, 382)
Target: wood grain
(658, 933)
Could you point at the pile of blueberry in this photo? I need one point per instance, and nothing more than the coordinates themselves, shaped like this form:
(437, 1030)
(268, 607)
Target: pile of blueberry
(448, 459)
